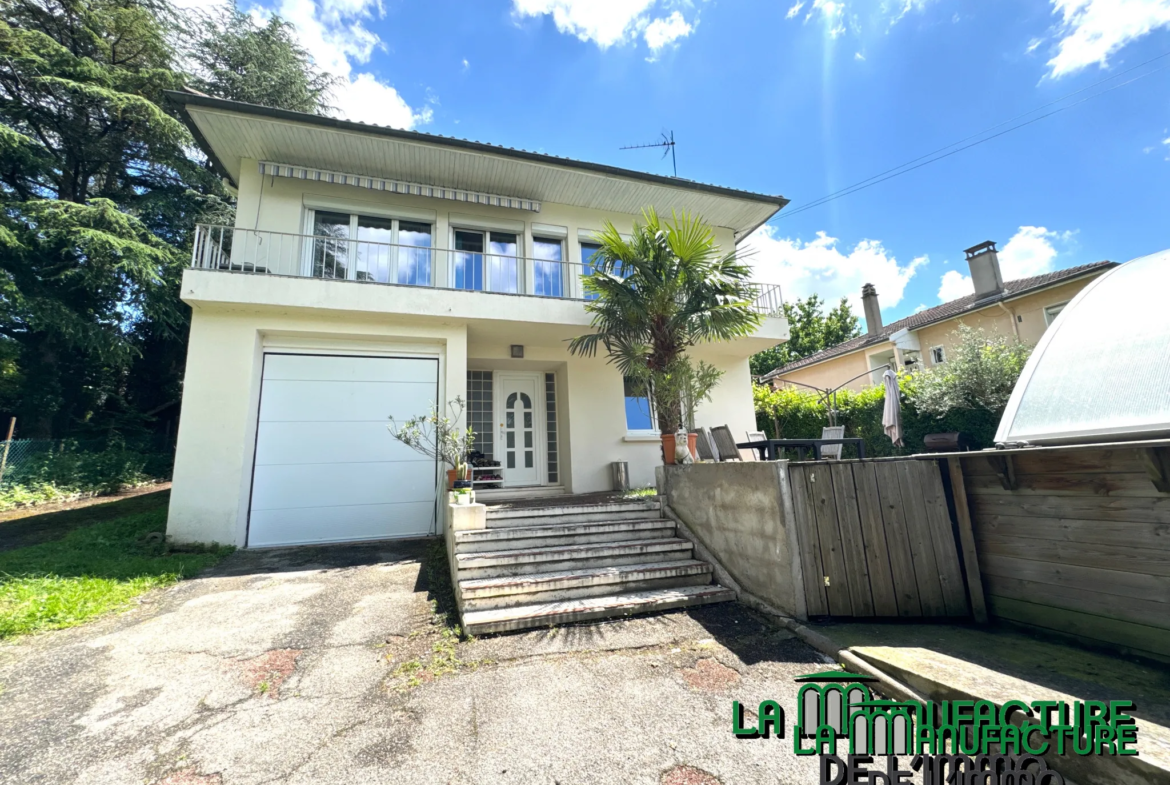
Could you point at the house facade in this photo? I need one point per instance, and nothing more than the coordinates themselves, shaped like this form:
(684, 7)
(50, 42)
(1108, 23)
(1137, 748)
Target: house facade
(1021, 310)
(372, 272)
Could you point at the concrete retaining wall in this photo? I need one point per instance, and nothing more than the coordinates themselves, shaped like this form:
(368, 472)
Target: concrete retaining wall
(739, 512)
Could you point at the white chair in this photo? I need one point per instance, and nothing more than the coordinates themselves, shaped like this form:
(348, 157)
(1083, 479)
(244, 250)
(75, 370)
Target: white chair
(832, 451)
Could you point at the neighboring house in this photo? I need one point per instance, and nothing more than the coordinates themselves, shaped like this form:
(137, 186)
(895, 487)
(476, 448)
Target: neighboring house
(1020, 309)
(371, 272)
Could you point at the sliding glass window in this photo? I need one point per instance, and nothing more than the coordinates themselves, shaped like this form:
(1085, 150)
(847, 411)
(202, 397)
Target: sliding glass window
(371, 248)
(493, 270)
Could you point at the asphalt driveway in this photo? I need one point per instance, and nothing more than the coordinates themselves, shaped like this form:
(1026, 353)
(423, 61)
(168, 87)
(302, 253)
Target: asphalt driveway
(327, 665)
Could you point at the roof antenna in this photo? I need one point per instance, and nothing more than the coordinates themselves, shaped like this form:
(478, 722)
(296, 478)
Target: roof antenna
(667, 145)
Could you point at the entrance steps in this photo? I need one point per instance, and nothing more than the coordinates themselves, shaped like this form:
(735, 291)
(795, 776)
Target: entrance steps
(538, 566)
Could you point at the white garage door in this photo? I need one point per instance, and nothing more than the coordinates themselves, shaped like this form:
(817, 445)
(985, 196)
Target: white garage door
(327, 469)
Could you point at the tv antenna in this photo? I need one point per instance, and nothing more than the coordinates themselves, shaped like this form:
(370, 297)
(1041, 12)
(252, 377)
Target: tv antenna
(667, 145)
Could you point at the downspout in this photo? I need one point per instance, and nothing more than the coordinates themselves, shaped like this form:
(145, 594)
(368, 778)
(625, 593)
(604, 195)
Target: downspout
(1011, 314)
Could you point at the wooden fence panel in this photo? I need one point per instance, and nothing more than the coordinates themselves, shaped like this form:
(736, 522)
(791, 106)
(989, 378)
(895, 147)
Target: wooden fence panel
(1081, 546)
(808, 542)
(820, 485)
(876, 539)
(942, 537)
(877, 555)
(897, 540)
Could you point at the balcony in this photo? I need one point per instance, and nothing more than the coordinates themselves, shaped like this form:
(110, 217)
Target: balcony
(254, 252)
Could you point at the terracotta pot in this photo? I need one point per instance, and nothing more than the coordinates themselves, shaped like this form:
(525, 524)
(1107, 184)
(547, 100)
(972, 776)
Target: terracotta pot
(452, 477)
(668, 446)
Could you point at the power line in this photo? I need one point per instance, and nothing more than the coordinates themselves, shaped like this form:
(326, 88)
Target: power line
(906, 167)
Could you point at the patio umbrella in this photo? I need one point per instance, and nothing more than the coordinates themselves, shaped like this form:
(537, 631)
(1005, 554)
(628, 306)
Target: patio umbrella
(892, 414)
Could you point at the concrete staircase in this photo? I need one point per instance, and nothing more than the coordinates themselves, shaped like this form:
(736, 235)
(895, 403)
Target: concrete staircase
(542, 566)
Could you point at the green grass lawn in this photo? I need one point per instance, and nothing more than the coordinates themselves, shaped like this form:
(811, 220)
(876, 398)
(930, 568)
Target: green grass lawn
(89, 571)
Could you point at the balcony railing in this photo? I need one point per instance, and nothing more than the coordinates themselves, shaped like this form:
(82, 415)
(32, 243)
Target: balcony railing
(337, 258)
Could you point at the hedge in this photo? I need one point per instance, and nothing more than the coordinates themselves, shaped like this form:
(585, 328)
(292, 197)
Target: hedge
(789, 413)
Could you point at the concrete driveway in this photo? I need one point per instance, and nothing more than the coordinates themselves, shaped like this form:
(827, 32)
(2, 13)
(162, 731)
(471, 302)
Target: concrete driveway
(326, 665)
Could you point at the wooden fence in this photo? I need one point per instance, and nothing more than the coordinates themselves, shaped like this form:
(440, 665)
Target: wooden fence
(876, 538)
(1076, 540)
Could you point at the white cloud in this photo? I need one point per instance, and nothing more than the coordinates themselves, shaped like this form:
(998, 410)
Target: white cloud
(1030, 251)
(1033, 45)
(1166, 142)
(335, 35)
(1093, 30)
(859, 56)
(837, 15)
(820, 267)
(466, 65)
(604, 22)
(665, 31)
(954, 285)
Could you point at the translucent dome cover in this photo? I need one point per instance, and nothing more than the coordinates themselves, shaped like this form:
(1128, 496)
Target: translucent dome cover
(1101, 372)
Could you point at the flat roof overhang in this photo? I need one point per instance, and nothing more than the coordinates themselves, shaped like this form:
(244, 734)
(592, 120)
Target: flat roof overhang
(231, 131)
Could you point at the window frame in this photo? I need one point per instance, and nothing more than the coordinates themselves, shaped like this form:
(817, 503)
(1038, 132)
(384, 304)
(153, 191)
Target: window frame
(638, 432)
(942, 352)
(485, 230)
(1049, 317)
(355, 214)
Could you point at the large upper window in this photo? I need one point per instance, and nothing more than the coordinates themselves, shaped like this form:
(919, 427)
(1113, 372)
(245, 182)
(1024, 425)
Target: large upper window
(370, 248)
(638, 414)
(548, 267)
(486, 261)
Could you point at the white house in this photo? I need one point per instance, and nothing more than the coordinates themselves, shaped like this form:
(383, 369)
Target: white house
(371, 272)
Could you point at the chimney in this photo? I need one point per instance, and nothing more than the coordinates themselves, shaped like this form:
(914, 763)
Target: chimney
(873, 313)
(985, 274)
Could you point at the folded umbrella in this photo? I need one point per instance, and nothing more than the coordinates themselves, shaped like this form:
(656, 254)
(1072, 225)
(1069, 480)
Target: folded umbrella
(892, 413)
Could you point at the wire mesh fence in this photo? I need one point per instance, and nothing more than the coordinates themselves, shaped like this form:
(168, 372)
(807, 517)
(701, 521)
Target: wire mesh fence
(96, 463)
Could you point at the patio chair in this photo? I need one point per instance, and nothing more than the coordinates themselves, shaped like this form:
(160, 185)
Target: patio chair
(756, 436)
(832, 451)
(704, 445)
(725, 444)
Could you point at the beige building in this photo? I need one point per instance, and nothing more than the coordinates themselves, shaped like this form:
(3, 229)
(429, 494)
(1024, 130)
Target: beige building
(371, 272)
(1020, 309)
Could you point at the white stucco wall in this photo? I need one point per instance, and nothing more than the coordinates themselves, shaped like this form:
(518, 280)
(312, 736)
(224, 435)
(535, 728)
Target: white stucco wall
(237, 316)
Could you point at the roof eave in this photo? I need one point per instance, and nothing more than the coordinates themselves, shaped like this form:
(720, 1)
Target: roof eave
(183, 99)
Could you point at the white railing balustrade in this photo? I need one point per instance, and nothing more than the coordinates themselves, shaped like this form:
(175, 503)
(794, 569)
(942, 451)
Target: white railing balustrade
(240, 250)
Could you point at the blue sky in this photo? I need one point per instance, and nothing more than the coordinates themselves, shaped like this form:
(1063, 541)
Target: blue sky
(803, 99)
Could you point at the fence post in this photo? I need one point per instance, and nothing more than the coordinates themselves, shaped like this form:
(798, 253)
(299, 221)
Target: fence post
(967, 541)
(7, 442)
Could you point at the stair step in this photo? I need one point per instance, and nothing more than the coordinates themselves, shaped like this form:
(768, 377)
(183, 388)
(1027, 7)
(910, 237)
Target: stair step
(515, 537)
(525, 561)
(546, 614)
(586, 513)
(487, 593)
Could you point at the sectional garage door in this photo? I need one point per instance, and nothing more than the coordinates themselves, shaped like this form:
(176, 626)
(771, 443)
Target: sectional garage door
(326, 468)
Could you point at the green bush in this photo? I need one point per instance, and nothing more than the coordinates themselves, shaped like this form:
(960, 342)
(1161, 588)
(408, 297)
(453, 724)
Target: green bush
(62, 472)
(789, 413)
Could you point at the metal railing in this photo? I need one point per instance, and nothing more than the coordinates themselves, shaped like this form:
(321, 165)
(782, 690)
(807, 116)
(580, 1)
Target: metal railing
(338, 258)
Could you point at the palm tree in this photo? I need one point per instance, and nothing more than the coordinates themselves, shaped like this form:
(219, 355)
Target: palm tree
(666, 289)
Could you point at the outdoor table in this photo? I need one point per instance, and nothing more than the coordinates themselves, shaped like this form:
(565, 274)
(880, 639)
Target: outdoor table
(769, 449)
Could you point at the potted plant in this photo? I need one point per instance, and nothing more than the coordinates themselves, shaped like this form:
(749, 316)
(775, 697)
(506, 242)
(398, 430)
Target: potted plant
(687, 383)
(664, 289)
(439, 436)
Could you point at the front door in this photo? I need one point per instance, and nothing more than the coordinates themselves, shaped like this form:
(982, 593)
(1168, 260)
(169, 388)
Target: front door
(521, 432)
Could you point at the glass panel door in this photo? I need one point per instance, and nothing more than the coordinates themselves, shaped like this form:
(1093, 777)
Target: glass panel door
(468, 260)
(502, 267)
(330, 249)
(548, 270)
(414, 259)
(374, 249)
